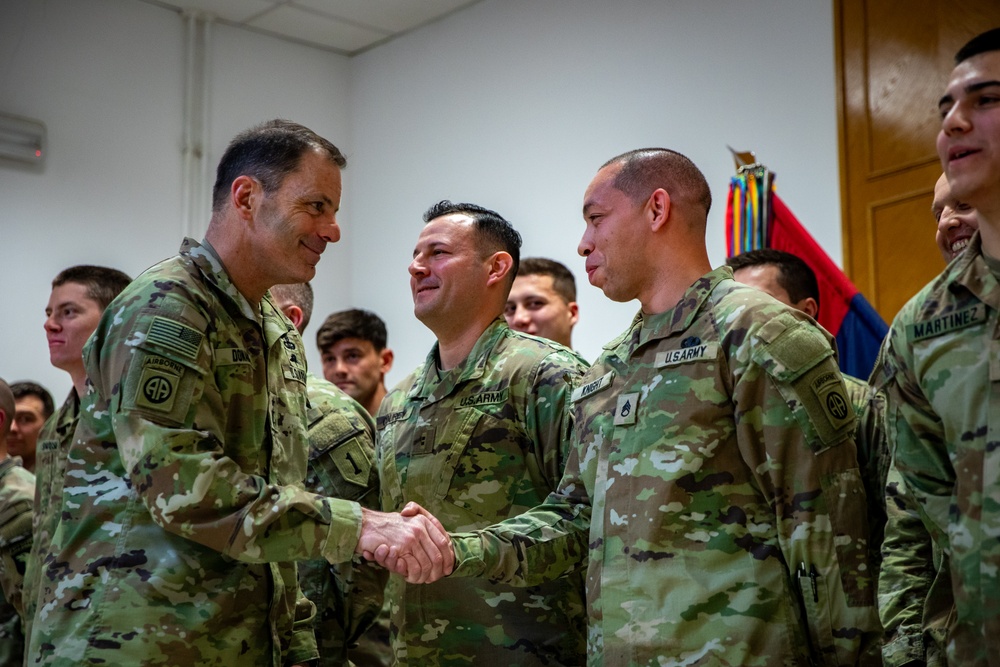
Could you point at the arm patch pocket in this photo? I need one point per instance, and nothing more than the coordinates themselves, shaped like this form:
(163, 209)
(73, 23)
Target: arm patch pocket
(164, 375)
(338, 456)
(800, 361)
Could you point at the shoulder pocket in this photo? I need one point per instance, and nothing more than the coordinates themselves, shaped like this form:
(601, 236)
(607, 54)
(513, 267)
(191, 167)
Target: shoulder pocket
(340, 458)
(800, 362)
(164, 377)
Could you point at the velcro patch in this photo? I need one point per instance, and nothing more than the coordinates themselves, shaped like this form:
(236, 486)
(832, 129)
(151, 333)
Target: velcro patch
(486, 398)
(175, 337)
(392, 417)
(164, 364)
(628, 406)
(703, 352)
(231, 356)
(945, 323)
(829, 390)
(591, 388)
(296, 372)
(352, 462)
(157, 388)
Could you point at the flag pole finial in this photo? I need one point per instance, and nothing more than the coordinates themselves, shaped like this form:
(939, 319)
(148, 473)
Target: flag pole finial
(743, 159)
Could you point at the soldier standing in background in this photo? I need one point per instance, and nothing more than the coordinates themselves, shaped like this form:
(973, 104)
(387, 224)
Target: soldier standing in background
(542, 301)
(79, 297)
(17, 491)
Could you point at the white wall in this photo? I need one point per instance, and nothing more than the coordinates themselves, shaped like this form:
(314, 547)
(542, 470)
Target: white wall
(106, 77)
(510, 103)
(514, 104)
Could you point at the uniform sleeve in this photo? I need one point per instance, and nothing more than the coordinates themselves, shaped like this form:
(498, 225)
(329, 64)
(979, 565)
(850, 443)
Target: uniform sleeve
(916, 436)
(873, 459)
(155, 366)
(348, 595)
(905, 580)
(16, 494)
(549, 419)
(550, 540)
(542, 544)
(794, 429)
(914, 590)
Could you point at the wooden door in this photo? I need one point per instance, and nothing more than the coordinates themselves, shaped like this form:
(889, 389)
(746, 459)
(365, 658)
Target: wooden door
(893, 62)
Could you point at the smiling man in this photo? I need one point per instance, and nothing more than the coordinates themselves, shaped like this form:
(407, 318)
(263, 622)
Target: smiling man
(476, 434)
(940, 366)
(956, 221)
(183, 508)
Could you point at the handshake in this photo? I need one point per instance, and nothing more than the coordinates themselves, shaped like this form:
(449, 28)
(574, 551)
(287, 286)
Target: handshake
(412, 543)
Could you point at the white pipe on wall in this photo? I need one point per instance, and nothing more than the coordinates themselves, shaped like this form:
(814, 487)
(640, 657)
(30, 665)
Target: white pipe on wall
(194, 169)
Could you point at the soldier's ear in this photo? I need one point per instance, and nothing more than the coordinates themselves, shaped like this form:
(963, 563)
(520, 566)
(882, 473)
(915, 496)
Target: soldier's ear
(658, 209)
(574, 312)
(385, 360)
(294, 314)
(808, 306)
(501, 264)
(243, 194)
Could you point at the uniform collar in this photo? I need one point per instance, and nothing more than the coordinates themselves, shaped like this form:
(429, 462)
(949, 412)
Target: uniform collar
(205, 257)
(8, 463)
(432, 389)
(648, 328)
(972, 274)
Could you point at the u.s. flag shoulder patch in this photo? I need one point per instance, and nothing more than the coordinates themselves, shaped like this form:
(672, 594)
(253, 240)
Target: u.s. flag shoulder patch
(173, 336)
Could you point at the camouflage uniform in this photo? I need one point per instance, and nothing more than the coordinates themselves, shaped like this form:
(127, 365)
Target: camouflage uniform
(873, 458)
(915, 602)
(17, 493)
(50, 467)
(348, 596)
(914, 591)
(182, 507)
(484, 441)
(714, 481)
(940, 373)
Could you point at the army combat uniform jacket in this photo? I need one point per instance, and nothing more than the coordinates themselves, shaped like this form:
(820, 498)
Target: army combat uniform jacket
(873, 457)
(348, 596)
(915, 602)
(484, 441)
(50, 466)
(714, 483)
(17, 493)
(183, 509)
(941, 375)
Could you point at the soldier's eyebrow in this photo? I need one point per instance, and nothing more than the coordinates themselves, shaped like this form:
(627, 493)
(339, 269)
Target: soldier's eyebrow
(433, 245)
(974, 87)
(60, 305)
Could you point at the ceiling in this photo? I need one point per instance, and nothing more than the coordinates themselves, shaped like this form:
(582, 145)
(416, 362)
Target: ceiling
(347, 27)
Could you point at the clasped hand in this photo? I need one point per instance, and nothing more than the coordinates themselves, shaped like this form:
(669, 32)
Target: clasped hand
(412, 543)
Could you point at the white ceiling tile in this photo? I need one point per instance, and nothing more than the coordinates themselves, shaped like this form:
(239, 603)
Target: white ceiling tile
(236, 11)
(390, 15)
(312, 27)
(344, 26)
